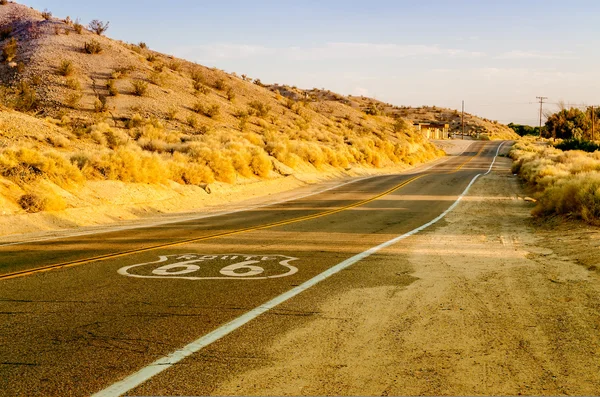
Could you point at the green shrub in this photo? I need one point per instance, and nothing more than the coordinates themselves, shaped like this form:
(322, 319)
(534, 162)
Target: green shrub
(578, 144)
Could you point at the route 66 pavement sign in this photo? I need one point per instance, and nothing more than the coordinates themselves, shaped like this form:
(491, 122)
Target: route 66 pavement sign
(213, 267)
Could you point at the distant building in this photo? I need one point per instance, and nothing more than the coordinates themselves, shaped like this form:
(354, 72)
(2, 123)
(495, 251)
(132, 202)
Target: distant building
(433, 130)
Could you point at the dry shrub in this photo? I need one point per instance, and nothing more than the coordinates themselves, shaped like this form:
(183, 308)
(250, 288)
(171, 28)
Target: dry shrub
(77, 26)
(9, 50)
(130, 164)
(135, 121)
(111, 87)
(66, 68)
(158, 78)
(24, 166)
(36, 202)
(568, 183)
(92, 47)
(104, 135)
(73, 84)
(140, 87)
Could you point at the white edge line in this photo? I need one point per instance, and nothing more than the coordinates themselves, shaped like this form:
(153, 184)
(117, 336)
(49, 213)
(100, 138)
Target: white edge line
(164, 363)
(222, 213)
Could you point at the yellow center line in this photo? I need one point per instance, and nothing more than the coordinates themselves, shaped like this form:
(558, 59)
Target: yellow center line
(78, 262)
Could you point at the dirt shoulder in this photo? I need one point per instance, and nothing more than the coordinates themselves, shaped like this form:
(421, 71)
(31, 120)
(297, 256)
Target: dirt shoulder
(498, 306)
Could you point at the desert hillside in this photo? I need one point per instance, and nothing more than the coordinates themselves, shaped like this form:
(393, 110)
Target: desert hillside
(79, 107)
(474, 126)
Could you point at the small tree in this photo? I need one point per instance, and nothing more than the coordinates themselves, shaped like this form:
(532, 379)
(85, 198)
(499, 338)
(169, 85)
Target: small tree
(98, 26)
(568, 124)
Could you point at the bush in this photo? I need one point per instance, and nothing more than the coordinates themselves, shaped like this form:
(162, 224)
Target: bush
(208, 111)
(73, 100)
(3, 2)
(66, 68)
(175, 66)
(5, 33)
(26, 97)
(9, 51)
(98, 27)
(46, 14)
(140, 87)
(142, 45)
(112, 89)
(171, 114)
(230, 94)
(260, 109)
(192, 121)
(77, 26)
(578, 144)
(92, 47)
(74, 84)
(100, 104)
(220, 84)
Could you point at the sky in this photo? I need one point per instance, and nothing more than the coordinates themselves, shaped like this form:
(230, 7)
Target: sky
(497, 56)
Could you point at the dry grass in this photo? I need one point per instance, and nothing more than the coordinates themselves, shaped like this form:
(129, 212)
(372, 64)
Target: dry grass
(568, 183)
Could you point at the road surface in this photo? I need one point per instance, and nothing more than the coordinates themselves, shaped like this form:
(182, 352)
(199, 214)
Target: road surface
(142, 311)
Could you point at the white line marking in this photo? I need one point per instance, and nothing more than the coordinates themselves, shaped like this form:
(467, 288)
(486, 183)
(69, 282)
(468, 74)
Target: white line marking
(222, 213)
(166, 362)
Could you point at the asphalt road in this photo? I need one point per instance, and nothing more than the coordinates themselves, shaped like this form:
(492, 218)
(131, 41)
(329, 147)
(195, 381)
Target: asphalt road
(79, 329)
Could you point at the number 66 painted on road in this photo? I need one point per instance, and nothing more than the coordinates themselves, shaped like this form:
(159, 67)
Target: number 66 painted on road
(183, 266)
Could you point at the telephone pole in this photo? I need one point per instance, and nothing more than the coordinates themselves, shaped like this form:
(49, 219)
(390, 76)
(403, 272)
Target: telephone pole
(593, 122)
(462, 120)
(541, 98)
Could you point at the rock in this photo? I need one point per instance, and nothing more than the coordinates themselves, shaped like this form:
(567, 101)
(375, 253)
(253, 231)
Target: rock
(281, 168)
(530, 200)
(206, 187)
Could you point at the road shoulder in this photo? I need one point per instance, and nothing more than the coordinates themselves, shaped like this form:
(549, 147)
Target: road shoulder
(494, 308)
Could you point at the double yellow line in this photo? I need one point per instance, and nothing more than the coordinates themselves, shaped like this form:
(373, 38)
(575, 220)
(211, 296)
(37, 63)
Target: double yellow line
(216, 235)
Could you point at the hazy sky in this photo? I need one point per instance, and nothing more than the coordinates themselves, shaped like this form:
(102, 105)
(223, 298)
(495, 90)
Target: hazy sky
(496, 55)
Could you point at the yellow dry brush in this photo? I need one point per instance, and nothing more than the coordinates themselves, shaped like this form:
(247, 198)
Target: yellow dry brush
(568, 183)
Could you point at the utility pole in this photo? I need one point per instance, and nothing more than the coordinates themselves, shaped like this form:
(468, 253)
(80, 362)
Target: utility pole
(593, 122)
(462, 120)
(541, 98)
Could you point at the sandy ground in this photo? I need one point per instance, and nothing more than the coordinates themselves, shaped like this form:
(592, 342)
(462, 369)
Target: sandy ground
(498, 305)
(104, 205)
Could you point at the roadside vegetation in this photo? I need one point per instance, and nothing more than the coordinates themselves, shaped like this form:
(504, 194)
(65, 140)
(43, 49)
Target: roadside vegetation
(567, 182)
